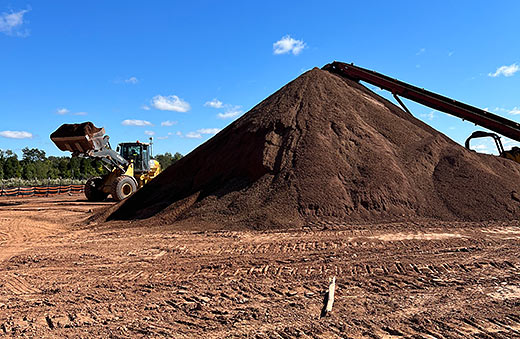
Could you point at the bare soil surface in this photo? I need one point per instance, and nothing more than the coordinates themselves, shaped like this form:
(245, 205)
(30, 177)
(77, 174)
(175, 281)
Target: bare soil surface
(430, 279)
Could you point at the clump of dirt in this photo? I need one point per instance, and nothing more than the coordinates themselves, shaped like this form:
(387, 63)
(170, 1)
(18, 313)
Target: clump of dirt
(324, 147)
(69, 130)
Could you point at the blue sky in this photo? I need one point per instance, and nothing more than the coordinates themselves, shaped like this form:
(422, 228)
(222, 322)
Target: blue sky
(182, 70)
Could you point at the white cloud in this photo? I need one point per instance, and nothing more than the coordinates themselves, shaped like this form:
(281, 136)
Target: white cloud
(483, 148)
(150, 133)
(162, 138)
(193, 135)
(215, 103)
(515, 111)
(421, 51)
(488, 148)
(170, 103)
(62, 111)
(429, 115)
(11, 23)
(199, 133)
(288, 45)
(208, 130)
(168, 123)
(510, 142)
(506, 71)
(134, 122)
(132, 80)
(146, 108)
(16, 134)
(230, 113)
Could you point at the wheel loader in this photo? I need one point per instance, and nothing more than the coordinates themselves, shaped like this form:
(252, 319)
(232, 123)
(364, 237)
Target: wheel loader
(129, 167)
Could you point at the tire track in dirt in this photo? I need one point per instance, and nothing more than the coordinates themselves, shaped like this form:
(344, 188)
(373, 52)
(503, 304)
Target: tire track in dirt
(36, 220)
(397, 268)
(18, 285)
(128, 275)
(4, 236)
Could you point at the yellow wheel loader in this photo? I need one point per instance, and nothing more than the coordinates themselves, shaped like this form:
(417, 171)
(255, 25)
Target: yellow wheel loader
(130, 166)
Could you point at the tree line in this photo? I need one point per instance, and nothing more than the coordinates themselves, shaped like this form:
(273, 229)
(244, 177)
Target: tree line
(34, 164)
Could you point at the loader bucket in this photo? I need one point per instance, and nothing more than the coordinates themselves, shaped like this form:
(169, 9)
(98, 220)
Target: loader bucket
(79, 138)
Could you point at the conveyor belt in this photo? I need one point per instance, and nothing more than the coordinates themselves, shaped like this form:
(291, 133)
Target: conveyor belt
(436, 101)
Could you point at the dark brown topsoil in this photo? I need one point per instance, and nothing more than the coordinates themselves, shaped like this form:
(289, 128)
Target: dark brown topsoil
(75, 130)
(324, 147)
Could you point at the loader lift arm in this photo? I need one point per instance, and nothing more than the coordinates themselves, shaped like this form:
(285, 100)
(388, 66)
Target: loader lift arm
(95, 145)
(108, 156)
(433, 100)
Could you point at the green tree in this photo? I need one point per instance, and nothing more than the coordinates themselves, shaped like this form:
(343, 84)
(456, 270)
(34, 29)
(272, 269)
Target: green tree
(2, 162)
(33, 154)
(74, 168)
(64, 168)
(167, 159)
(177, 156)
(12, 167)
(34, 164)
(43, 169)
(86, 168)
(53, 171)
(28, 170)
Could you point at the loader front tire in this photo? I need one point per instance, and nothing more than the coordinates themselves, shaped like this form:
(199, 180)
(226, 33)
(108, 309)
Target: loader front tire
(93, 190)
(123, 187)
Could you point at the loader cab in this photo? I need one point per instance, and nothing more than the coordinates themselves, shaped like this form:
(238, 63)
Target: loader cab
(512, 154)
(137, 152)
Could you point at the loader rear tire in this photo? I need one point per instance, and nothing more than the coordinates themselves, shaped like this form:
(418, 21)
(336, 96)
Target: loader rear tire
(93, 190)
(123, 187)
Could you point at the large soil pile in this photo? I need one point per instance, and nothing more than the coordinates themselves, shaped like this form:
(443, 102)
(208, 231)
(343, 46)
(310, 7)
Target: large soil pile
(324, 147)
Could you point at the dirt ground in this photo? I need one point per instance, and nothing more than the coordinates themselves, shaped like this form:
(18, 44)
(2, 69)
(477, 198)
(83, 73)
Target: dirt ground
(59, 278)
